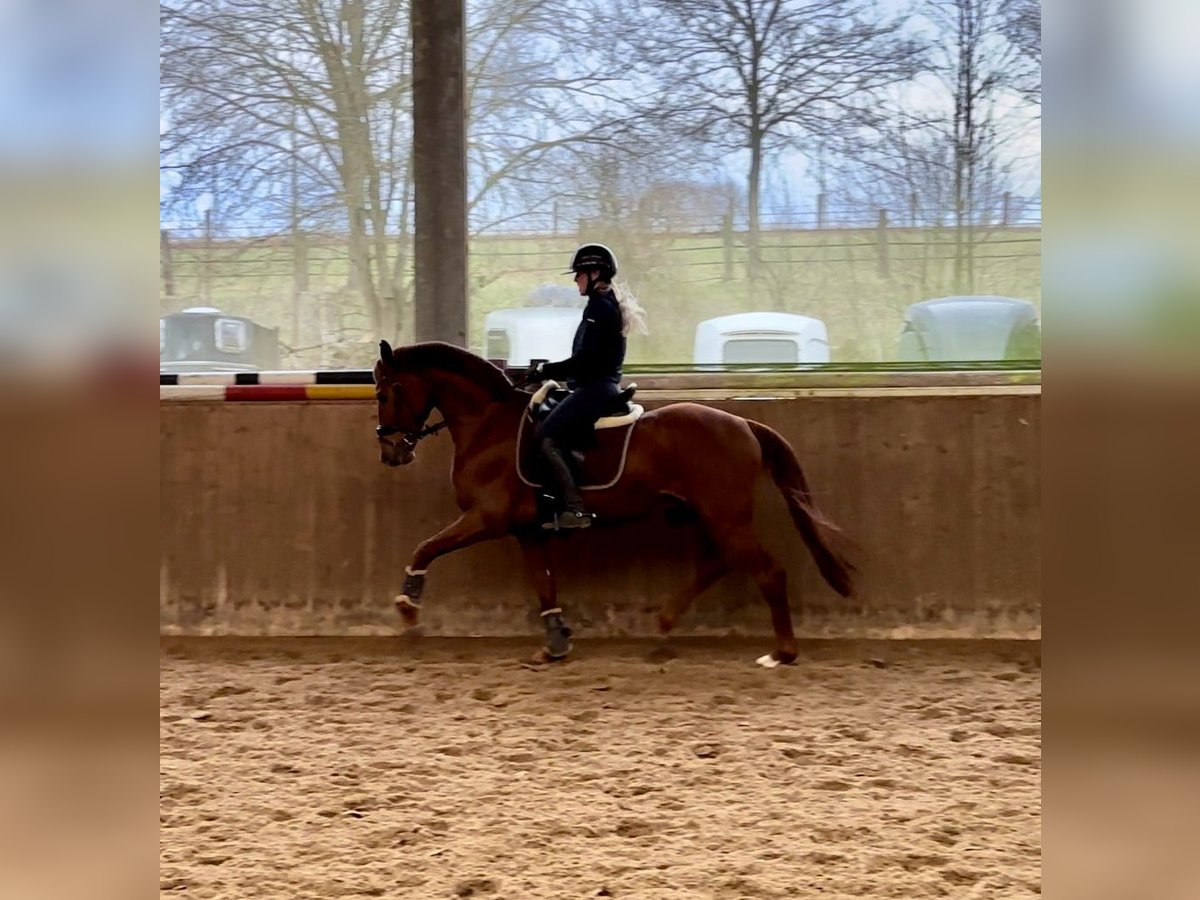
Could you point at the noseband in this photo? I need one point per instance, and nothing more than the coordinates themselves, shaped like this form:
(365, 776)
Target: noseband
(411, 438)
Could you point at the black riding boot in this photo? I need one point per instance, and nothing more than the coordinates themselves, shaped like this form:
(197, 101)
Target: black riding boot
(574, 515)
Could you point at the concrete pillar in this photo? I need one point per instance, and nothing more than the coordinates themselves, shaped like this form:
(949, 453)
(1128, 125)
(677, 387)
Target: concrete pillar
(440, 170)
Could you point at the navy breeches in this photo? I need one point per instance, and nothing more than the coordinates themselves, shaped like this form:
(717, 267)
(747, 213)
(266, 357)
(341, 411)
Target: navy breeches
(570, 421)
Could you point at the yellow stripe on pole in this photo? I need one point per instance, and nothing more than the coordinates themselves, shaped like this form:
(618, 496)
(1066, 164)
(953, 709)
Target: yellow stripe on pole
(340, 392)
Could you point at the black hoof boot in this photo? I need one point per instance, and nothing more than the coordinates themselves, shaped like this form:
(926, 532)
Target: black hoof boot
(408, 603)
(558, 635)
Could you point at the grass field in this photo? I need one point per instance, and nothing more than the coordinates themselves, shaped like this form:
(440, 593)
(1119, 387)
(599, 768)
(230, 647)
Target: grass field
(836, 275)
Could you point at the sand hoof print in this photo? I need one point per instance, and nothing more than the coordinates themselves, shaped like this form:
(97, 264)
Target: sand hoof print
(890, 805)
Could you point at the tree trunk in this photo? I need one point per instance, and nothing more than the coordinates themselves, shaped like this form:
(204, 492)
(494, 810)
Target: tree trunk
(360, 262)
(753, 243)
(966, 146)
(166, 263)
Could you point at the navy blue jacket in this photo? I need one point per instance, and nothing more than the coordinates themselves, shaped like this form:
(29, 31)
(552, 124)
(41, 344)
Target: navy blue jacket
(598, 350)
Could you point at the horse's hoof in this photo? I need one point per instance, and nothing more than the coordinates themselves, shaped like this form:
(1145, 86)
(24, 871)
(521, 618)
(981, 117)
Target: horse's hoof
(414, 632)
(544, 657)
(771, 660)
(666, 625)
(410, 613)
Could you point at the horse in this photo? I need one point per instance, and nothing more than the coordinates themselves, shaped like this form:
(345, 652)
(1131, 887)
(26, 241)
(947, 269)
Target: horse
(483, 410)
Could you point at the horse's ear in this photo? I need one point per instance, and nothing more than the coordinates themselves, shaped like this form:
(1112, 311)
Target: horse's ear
(385, 352)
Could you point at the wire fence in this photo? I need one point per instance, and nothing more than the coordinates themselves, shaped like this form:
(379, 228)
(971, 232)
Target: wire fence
(858, 279)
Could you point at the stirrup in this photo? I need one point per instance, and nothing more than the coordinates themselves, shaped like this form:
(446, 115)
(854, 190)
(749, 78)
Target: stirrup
(569, 521)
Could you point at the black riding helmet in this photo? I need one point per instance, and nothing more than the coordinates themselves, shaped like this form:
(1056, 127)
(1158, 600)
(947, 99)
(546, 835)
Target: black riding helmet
(594, 256)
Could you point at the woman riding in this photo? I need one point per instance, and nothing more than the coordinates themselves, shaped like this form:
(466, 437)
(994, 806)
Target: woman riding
(593, 373)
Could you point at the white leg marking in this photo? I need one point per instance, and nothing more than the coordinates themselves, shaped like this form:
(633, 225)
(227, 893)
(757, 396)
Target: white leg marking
(767, 662)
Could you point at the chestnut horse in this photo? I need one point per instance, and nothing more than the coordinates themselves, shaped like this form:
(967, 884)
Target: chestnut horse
(483, 410)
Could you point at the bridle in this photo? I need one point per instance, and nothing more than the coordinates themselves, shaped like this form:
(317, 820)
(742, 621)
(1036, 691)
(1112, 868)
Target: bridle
(411, 438)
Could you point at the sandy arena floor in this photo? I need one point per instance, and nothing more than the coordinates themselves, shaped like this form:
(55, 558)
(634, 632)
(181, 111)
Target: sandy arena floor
(382, 768)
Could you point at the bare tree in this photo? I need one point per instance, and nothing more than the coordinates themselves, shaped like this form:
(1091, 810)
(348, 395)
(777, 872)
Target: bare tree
(551, 123)
(550, 132)
(977, 65)
(536, 106)
(753, 75)
(313, 94)
(1023, 28)
(301, 113)
(946, 155)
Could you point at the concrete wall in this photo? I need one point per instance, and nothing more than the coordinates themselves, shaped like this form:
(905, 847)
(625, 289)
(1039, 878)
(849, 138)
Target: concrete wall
(277, 518)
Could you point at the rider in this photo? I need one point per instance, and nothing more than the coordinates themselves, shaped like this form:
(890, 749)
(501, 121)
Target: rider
(593, 373)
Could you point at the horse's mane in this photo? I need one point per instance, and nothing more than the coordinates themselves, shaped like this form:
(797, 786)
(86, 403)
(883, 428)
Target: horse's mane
(448, 358)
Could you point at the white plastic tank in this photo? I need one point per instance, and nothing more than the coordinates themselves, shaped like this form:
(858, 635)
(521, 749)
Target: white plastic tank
(965, 328)
(761, 337)
(523, 335)
(542, 329)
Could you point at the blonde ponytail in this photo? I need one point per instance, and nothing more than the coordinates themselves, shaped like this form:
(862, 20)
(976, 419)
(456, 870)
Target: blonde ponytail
(633, 316)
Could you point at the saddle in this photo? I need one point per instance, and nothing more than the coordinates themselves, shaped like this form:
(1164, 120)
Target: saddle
(622, 412)
(599, 463)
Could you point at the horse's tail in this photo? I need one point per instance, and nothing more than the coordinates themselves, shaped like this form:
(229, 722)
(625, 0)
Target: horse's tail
(815, 529)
